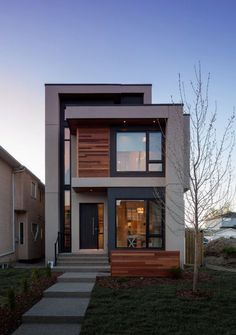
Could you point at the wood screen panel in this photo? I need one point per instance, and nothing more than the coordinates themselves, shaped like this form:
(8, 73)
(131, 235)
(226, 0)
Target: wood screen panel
(145, 263)
(93, 152)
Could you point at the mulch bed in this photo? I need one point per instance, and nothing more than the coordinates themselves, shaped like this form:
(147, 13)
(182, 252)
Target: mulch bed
(198, 294)
(137, 282)
(11, 319)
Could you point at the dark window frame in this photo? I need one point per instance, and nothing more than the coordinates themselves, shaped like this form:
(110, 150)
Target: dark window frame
(63, 187)
(113, 152)
(162, 235)
(21, 233)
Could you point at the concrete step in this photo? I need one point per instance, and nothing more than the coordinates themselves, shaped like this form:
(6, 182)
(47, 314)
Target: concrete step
(71, 268)
(84, 254)
(83, 259)
(57, 310)
(48, 329)
(72, 290)
(79, 262)
(87, 277)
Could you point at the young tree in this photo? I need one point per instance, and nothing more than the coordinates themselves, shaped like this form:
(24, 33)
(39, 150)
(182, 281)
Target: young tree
(210, 161)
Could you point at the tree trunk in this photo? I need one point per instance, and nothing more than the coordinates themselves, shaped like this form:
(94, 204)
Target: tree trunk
(195, 271)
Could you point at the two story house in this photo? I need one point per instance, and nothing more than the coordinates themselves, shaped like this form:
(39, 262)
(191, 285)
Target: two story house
(116, 169)
(22, 221)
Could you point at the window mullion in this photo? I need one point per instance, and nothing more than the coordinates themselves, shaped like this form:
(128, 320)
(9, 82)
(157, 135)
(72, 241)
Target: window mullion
(147, 150)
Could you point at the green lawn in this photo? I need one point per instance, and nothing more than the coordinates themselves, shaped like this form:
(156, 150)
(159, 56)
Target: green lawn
(12, 278)
(156, 309)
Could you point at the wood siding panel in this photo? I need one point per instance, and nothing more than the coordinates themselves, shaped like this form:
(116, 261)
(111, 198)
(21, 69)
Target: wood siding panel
(145, 263)
(93, 152)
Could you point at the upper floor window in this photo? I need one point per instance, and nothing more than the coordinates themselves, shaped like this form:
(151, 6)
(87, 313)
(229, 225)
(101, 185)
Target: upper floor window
(139, 151)
(131, 151)
(33, 190)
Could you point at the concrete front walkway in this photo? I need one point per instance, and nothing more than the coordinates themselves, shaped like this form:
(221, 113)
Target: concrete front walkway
(62, 309)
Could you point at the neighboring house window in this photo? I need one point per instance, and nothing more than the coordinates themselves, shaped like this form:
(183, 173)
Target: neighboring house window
(139, 224)
(138, 152)
(33, 190)
(40, 195)
(35, 230)
(21, 233)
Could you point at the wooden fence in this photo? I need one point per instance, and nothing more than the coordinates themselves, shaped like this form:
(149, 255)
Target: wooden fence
(190, 245)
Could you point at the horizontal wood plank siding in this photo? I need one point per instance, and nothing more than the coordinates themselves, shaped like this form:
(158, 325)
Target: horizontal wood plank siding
(148, 263)
(93, 152)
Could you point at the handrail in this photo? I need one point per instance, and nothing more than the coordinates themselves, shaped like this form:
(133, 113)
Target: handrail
(59, 245)
(56, 248)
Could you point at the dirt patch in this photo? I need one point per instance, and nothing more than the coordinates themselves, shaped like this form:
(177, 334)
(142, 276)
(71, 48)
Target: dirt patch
(137, 282)
(215, 252)
(198, 294)
(11, 319)
(216, 247)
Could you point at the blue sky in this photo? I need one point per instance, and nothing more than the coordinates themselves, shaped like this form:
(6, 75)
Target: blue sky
(125, 41)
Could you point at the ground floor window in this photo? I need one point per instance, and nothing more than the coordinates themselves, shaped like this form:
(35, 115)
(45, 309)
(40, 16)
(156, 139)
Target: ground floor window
(21, 233)
(139, 224)
(67, 221)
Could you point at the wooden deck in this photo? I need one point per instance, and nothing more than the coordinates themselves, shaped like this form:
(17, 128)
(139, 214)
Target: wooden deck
(145, 263)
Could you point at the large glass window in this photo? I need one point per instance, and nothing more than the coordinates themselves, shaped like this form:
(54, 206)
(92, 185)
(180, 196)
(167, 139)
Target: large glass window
(67, 219)
(139, 151)
(67, 157)
(139, 224)
(155, 150)
(100, 226)
(131, 151)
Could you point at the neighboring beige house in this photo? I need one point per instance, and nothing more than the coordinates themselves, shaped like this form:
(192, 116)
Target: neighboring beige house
(107, 148)
(225, 220)
(21, 212)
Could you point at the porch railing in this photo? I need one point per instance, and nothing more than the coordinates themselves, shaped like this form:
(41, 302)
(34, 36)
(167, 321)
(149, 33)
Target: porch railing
(62, 244)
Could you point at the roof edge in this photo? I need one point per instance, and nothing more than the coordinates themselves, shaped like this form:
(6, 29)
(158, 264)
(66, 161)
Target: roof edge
(95, 84)
(9, 159)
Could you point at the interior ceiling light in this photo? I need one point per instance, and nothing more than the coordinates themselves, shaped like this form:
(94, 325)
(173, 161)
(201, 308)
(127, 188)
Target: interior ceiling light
(140, 210)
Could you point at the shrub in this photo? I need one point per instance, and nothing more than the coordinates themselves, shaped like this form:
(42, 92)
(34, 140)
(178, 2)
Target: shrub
(48, 271)
(11, 298)
(176, 272)
(25, 285)
(35, 275)
(230, 251)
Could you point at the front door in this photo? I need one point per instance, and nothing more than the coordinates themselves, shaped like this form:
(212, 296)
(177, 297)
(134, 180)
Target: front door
(88, 226)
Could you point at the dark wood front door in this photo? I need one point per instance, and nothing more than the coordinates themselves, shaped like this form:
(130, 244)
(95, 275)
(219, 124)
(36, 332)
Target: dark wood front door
(88, 226)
